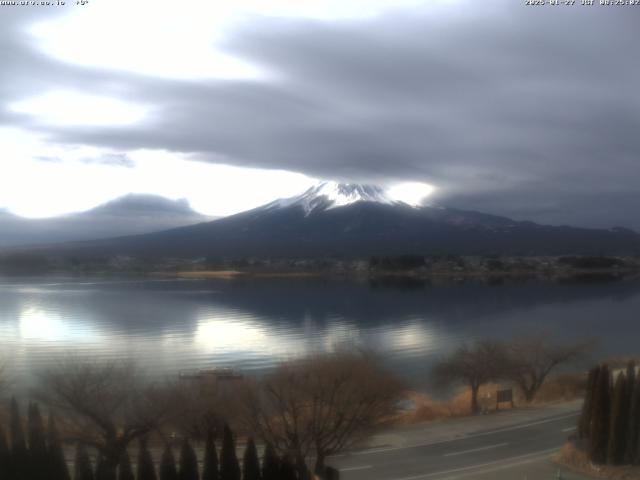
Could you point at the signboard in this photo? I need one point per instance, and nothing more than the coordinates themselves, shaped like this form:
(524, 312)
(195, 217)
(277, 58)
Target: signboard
(504, 396)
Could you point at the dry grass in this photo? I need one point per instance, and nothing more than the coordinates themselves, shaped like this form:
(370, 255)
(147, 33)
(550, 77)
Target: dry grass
(426, 410)
(559, 388)
(209, 274)
(576, 459)
(562, 387)
(459, 405)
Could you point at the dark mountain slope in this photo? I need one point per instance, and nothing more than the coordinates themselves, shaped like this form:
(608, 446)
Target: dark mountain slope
(349, 225)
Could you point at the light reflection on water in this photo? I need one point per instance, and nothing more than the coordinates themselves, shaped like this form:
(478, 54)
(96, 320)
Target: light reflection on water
(167, 326)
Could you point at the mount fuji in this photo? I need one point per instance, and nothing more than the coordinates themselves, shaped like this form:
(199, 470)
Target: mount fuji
(354, 220)
(328, 195)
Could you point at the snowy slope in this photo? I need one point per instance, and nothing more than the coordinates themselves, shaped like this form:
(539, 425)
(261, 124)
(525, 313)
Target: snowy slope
(329, 195)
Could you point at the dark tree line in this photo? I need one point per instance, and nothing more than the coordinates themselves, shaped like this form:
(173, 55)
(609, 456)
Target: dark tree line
(38, 454)
(610, 419)
(400, 262)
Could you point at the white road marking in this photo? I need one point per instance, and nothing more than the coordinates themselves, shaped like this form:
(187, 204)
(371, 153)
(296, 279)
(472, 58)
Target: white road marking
(488, 464)
(480, 449)
(495, 468)
(570, 429)
(474, 435)
(351, 469)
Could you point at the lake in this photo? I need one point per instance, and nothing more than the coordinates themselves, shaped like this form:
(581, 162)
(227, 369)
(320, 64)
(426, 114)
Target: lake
(251, 324)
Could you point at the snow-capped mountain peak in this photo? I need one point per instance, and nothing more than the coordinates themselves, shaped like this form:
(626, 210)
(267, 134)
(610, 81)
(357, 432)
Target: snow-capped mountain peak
(328, 195)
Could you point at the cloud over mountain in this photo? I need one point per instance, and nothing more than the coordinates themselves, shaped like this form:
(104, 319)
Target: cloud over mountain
(130, 215)
(514, 110)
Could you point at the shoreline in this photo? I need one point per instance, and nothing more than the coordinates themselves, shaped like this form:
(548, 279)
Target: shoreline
(378, 278)
(230, 274)
(399, 276)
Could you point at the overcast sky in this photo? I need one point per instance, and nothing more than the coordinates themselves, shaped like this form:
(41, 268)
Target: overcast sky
(530, 112)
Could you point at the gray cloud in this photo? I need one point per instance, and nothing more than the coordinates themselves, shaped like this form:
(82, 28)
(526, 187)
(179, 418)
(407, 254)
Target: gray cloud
(116, 160)
(533, 113)
(46, 159)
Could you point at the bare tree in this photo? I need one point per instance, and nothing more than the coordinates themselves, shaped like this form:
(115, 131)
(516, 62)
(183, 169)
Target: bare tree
(105, 406)
(473, 366)
(198, 412)
(204, 404)
(321, 405)
(531, 359)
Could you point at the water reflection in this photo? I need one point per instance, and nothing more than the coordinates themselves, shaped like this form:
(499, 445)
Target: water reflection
(173, 325)
(217, 332)
(36, 324)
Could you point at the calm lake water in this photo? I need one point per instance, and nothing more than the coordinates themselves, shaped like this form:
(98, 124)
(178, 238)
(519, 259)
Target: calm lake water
(168, 326)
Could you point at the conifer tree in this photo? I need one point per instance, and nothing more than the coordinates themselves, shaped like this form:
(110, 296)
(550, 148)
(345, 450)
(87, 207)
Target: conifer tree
(57, 463)
(83, 469)
(229, 466)
(250, 462)
(584, 425)
(125, 471)
(210, 469)
(628, 414)
(4, 455)
(188, 462)
(100, 471)
(38, 457)
(633, 432)
(618, 428)
(270, 464)
(19, 462)
(331, 473)
(631, 376)
(599, 435)
(168, 470)
(146, 469)
(104, 469)
(287, 469)
(18, 442)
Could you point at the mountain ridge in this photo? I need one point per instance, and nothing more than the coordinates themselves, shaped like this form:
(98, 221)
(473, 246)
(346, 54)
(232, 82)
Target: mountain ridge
(127, 215)
(314, 225)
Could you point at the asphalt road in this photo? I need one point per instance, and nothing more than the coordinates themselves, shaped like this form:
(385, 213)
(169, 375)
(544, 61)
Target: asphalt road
(507, 449)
